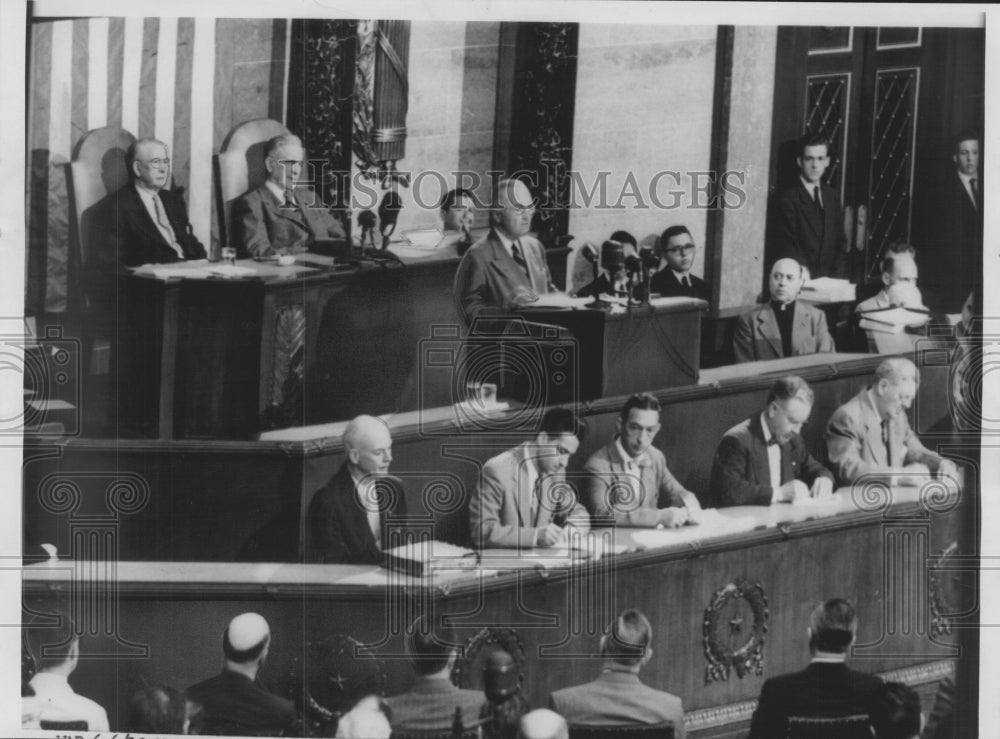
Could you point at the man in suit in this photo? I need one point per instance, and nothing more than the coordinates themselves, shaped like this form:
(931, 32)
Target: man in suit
(827, 688)
(543, 724)
(457, 216)
(808, 223)
(612, 279)
(899, 266)
(56, 651)
(430, 704)
(506, 268)
(895, 712)
(782, 327)
(523, 500)
(143, 222)
(628, 481)
(764, 460)
(348, 517)
(618, 696)
(870, 435)
(281, 216)
(675, 280)
(234, 702)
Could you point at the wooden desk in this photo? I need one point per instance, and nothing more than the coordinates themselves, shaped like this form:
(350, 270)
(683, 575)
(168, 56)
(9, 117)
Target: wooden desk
(747, 576)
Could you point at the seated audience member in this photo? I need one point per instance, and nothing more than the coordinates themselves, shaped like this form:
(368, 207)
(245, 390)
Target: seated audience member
(347, 518)
(457, 214)
(827, 688)
(764, 460)
(368, 719)
(543, 724)
(502, 686)
(612, 279)
(627, 240)
(523, 500)
(143, 222)
(941, 723)
(618, 696)
(281, 216)
(870, 435)
(895, 712)
(56, 651)
(782, 327)
(506, 268)
(162, 710)
(628, 481)
(430, 704)
(966, 361)
(899, 265)
(675, 280)
(234, 702)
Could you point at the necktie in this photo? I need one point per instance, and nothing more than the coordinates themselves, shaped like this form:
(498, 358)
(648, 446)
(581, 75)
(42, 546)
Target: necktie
(165, 227)
(975, 191)
(773, 441)
(685, 281)
(885, 435)
(819, 203)
(536, 497)
(289, 200)
(519, 258)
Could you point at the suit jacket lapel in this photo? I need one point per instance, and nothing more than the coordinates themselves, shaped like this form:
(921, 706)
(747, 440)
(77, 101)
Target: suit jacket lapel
(277, 211)
(144, 221)
(768, 326)
(873, 430)
(504, 263)
(758, 453)
(801, 330)
(809, 208)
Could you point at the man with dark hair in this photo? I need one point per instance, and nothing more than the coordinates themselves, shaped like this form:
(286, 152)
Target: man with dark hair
(808, 225)
(430, 704)
(506, 268)
(627, 240)
(675, 280)
(56, 651)
(457, 215)
(281, 216)
(348, 518)
(899, 266)
(612, 279)
(764, 460)
(523, 500)
(618, 696)
(234, 702)
(827, 688)
(628, 481)
(870, 435)
(143, 222)
(782, 327)
(895, 712)
(162, 710)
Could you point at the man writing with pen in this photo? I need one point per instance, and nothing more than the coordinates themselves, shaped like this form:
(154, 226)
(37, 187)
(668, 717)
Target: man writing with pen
(523, 500)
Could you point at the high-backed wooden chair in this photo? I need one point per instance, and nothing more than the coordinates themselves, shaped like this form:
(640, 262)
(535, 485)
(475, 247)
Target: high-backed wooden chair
(664, 730)
(579, 271)
(841, 727)
(240, 164)
(97, 169)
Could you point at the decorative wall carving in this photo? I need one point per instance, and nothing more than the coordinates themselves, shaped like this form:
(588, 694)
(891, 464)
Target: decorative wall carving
(478, 648)
(287, 369)
(734, 627)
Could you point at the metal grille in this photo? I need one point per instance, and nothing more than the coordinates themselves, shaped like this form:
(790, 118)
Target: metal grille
(893, 129)
(826, 112)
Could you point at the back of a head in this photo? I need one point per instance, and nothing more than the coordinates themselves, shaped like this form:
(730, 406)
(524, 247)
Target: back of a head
(368, 719)
(51, 645)
(627, 639)
(246, 638)
(430, 648)
(894, 712)
(896, 370)
(624, 237)
(562, 421)
(832, 626)
(159, 710)
(543, 723)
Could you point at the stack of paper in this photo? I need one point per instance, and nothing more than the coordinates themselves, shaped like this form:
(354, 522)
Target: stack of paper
(828, 290)
(559, 300)
(422, 558)
(892, 320)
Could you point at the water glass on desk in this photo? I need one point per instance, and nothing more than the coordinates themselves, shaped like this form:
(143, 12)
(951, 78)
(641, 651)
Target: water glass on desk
(228, 255)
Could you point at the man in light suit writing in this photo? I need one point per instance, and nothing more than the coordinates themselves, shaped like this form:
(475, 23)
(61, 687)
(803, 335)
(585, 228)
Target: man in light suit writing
(523, 500)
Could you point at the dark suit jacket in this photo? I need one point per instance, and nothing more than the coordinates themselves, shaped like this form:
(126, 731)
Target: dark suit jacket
(954, 259)
(124, 234)
(490, 282)
(741, 474)
(802, 234)
(337, 529)
(261, 225)
(618, 698)
(757, 336)
(430, 705)
(821, 690)
(602, 285)
(665, 283)
(234, 705)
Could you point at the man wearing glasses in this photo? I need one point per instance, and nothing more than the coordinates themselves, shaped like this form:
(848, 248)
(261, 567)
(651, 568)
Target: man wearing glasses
(143, 222)
(675, 280)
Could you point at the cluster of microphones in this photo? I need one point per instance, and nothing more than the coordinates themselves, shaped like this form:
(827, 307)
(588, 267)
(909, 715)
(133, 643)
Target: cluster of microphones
(637, 268)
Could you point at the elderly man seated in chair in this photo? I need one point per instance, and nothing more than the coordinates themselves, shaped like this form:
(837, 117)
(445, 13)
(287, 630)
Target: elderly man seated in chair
(281, 216)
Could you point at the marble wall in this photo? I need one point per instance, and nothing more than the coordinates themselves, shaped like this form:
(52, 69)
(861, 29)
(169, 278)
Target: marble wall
(644, 100)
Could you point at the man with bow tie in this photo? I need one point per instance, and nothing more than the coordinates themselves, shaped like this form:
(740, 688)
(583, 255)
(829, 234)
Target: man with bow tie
(764, 460)
(870, 435)
(628, 480)
(281, 216)
(524, 500)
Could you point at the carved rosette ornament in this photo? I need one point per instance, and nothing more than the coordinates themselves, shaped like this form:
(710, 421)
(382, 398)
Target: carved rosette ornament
(734, 628)
(468, 668)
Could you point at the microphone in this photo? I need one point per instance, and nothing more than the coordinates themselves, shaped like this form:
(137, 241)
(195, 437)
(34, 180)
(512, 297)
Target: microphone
(388, 214)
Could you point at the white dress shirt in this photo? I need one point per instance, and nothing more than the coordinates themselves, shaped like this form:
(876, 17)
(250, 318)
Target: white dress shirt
(55, 700)
(773, 458)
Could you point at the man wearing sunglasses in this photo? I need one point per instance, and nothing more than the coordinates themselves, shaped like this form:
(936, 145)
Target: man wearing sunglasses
(675, 280)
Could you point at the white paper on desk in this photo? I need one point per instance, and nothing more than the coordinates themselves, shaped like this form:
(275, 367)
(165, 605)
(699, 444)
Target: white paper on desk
(231, 270)
(559, 300)
(166, 271)
(666, 302)
(423, 238)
